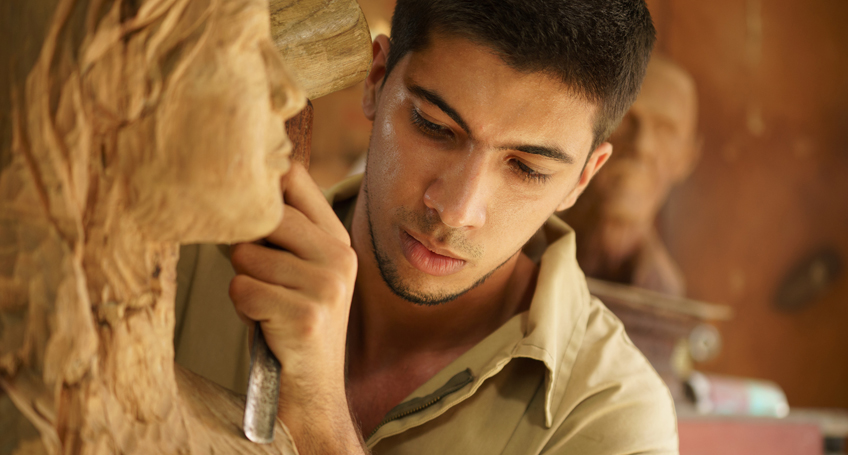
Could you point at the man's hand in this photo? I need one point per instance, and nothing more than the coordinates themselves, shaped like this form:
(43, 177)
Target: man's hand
(301, 295)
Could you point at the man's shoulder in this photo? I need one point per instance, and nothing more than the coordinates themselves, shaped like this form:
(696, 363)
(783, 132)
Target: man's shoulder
(614, 399)
(607, 348)
(605, 397)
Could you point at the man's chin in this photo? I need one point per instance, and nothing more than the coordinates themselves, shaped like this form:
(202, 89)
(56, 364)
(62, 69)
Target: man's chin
(430, 290)
(422, 299)
(428, 294)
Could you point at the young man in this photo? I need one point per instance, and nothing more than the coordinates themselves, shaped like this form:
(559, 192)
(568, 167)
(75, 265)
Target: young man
(437, 306)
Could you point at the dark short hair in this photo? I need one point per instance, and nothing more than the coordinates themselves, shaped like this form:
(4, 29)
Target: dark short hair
(599, 48)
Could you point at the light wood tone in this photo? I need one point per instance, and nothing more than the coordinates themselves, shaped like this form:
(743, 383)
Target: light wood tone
(128, 132)
(324, 58)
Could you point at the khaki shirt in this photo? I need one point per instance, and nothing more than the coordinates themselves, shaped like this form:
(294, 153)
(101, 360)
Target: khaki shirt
(560, 378)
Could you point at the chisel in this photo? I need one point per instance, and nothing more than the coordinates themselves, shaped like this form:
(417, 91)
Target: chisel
(263, 385)
(263, 391)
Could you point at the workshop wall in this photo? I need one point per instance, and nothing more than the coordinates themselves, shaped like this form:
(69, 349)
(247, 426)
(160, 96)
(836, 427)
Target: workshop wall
(771, 189)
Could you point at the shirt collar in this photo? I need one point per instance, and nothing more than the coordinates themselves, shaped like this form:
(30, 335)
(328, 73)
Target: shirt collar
(551, 331)
(559, 311)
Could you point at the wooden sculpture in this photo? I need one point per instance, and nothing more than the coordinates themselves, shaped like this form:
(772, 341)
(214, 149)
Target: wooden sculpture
(654, 148)
(140, 125)
(618, 246)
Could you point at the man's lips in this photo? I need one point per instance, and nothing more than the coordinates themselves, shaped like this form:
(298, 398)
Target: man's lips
(425, 259)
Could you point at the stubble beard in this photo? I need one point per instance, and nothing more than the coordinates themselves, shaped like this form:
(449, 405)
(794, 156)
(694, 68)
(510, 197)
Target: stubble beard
(389, 272)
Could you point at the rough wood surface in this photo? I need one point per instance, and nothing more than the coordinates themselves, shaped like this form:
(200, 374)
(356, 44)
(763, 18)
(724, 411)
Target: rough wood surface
(218, 411)
(327, 43)
(299, 129)
(138, 126)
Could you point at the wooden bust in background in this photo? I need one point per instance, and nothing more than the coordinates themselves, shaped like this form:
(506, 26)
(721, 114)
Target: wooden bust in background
(141, 125)
(654, 148)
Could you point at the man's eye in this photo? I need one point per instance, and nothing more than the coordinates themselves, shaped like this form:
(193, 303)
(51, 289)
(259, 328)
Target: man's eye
(527, 173)
(429, 128)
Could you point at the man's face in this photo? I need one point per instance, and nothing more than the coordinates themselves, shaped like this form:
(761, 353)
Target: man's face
(468, 158)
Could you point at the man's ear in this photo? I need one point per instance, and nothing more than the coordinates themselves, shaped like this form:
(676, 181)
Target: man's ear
(374, 80)
(596, 160)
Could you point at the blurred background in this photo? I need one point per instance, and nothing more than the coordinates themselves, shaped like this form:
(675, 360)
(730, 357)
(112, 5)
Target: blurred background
(771, 188)
(761, 223)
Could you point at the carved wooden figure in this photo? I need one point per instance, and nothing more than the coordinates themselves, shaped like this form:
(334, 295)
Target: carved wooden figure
(654, 148)
(141, 125)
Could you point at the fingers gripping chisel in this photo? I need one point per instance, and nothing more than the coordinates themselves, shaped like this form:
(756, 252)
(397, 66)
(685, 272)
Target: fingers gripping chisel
(263, 385)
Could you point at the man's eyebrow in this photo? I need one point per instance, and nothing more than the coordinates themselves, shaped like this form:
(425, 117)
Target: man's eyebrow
(547, 152)
(434, 98)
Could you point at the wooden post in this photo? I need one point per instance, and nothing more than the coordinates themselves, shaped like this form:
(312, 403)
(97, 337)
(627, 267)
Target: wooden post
(299, 129)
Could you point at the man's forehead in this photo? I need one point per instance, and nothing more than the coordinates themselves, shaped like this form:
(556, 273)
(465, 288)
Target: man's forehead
(430, 61)
(488, 93)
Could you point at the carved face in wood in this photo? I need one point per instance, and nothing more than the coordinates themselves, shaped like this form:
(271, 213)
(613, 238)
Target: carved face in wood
(653, 148)
(212, 171)
(140, 124)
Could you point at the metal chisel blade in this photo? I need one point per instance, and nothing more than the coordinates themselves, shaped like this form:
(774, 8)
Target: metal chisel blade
(263, 391)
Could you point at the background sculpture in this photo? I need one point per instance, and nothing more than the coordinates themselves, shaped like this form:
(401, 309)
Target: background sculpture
(654, 148)
(141, 125)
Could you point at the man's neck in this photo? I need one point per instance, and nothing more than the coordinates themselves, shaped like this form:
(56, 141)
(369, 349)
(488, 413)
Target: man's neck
(395, 346)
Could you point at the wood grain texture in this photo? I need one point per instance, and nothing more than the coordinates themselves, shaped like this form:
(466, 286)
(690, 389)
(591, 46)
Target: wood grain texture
(216, 409)
(327, 43)
(129, 131)
(299, 129)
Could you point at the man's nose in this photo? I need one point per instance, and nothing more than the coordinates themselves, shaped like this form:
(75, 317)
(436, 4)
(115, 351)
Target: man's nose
(460, 195)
